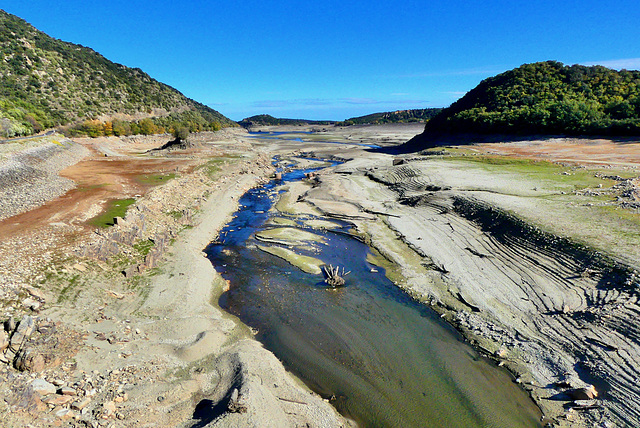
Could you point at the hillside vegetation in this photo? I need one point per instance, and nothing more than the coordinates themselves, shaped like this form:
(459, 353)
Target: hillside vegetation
(548, 98)
(45, 82)
(399, 116)
(268, 120)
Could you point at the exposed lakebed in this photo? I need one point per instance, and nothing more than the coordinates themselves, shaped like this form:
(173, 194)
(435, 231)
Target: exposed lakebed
(382, 359)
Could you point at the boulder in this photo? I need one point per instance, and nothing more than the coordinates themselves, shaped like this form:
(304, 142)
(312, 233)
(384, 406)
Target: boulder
(22, 333)
(43, 387)
(586, 393)
(28, 360)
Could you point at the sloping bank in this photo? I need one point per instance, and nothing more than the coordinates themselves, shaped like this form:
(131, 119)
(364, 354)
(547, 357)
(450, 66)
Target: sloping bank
(560, 316)
(233, 381)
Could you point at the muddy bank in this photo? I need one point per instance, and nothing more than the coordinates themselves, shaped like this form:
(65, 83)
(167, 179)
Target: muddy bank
(556, 313)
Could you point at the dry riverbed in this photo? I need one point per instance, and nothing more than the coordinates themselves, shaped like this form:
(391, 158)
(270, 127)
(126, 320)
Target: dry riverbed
(119, 325)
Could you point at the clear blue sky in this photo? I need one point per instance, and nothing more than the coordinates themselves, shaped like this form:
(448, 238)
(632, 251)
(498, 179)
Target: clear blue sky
(337, 59)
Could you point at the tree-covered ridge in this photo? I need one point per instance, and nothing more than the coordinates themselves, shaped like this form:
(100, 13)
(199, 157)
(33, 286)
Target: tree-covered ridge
(398, 116)
(268, 120)
(45, 82)
(548, 98)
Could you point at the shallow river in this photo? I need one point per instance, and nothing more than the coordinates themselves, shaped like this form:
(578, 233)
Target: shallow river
(383, 359)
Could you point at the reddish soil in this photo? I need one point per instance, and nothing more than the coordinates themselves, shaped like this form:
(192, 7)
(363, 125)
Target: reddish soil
(99, 179)
(580, 151)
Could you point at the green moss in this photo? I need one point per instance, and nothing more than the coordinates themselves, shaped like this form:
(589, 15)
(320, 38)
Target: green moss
(115, 208)
(155, 179)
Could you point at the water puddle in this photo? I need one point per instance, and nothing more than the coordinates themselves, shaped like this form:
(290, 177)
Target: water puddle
(381, 358)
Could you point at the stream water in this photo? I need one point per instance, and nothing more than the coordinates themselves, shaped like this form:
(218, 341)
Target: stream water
(383, 359)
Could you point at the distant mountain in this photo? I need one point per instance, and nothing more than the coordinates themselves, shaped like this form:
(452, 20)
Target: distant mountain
(268, 120)
(547, 98)
(399, 116)
(45, 82)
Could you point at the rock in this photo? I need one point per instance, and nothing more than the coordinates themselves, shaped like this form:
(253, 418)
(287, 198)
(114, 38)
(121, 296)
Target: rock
(81, 404)
(29, 360)
(22, 333)
(585, 404)
(119, 221)
(4, 340)
(586, 393)
(9, 325)
(109, 407)
(57, 400)
(68, 391)
(31, 304)
(65, 414)
(34, 292)
(79, 267)
(235, 405)
(43, 387)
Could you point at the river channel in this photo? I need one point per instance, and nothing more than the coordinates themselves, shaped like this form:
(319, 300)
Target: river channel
(382, 359)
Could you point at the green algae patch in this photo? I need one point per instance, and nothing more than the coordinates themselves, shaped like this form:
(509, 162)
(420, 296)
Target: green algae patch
(288, 236)
(115, 208)
(304, 263)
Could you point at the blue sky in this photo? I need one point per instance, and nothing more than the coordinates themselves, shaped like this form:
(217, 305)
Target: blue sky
(338, 59)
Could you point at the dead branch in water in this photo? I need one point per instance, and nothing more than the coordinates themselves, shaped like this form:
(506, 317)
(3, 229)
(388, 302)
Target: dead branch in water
(333, 277)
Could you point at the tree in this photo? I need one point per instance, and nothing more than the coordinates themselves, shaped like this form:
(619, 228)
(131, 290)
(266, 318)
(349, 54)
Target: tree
(181, 133)
(147, 127)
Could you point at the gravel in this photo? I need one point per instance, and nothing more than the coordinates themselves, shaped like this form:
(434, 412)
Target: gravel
(29, 177)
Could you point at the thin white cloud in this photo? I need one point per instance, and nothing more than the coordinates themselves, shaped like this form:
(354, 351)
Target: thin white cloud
(618, 64)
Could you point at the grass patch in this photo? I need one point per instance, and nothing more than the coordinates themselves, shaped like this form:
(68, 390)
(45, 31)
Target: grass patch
(115, 208)
(538, 170)
(177, 214)
(155, 179)
(143, 247)
(67, 292)
(215, 165)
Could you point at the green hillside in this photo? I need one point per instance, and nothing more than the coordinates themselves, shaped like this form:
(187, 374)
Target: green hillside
(45, 82)
(547, 98)
(399, 116)
(268, 120)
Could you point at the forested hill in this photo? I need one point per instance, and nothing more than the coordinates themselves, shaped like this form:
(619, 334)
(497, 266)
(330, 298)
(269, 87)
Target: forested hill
(268, 120)
(547, 98)
(45, 82)
(398, 116)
